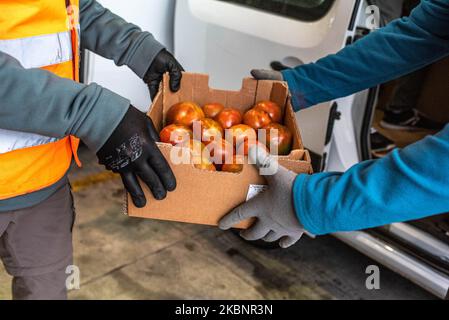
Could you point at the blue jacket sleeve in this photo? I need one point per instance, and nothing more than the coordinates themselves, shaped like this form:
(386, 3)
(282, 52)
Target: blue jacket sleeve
(402, 47)
(409, 184)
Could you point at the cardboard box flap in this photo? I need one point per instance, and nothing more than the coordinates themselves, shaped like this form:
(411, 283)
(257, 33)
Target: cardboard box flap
(156, 113)
(279, 94)
(196, 88)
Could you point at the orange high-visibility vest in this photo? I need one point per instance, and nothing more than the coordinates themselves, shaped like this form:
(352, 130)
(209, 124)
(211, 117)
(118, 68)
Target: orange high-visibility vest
(39, 34)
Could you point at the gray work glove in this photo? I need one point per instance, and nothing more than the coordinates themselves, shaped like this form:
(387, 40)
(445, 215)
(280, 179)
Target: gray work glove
(267, 75)
(274, 210)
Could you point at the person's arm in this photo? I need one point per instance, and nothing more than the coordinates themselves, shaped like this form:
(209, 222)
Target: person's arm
(112, 37)
(37, 101)
(402, 47)
(408, 184)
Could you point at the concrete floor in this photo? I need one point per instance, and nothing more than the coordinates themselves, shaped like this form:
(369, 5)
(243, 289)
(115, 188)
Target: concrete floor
(123, 258)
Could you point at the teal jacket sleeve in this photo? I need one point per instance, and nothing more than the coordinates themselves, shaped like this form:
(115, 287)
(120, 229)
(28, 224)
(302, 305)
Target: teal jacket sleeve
(112, 37)
(408, 184)
(400, 48)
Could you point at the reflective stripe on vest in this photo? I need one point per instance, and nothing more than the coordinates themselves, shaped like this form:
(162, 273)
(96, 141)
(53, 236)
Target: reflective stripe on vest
(40, 51)
(14, 140)
(39, 34)
(54, 49)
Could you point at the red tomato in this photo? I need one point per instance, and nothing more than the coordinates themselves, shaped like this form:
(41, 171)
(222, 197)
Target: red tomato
(229, 117)
(196, 148)
(242, 134)
(221, 152)
(211, 110)
(199, 156)
(260, 148)
(257, 119)
(176, 134)
(206, 165)
(279, 139)
(272, 109)
(235, 167)
(211, 130)
(185, 113)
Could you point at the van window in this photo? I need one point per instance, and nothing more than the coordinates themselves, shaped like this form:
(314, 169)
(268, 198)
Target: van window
(307, 10)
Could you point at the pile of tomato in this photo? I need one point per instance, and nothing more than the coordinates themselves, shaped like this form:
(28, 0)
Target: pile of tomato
(219, 137)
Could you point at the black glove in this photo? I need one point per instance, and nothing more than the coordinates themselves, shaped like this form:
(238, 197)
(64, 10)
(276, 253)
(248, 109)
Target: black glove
(164, 62)
(132, 152)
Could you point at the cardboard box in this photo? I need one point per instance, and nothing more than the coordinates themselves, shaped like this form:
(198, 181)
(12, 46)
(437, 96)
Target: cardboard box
(204, 197)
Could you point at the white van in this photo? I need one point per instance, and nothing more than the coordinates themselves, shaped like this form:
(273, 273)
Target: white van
(228, 38)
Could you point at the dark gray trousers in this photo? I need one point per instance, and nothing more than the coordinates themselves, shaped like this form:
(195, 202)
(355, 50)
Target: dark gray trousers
(36, 247)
